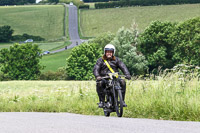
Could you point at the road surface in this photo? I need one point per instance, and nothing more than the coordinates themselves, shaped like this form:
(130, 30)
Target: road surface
(73, 28)
(32, 122)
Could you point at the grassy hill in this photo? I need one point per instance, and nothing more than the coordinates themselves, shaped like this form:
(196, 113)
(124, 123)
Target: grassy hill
(43, 20)
(54, 61)
(97, 21)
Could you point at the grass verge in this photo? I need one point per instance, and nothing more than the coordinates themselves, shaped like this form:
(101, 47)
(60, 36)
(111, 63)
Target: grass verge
(166, 98)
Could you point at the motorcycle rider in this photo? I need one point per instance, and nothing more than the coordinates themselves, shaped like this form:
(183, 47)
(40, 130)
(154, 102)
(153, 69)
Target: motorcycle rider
(101, 69)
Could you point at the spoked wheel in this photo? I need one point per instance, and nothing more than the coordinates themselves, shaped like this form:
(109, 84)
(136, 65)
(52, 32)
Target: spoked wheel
(106, 111)
(118, 103)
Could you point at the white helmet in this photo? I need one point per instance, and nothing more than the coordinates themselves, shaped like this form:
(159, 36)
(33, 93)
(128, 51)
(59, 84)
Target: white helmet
(109, 47)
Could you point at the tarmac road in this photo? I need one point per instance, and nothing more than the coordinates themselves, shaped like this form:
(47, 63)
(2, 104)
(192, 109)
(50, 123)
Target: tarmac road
(73, 28)
(31, 122)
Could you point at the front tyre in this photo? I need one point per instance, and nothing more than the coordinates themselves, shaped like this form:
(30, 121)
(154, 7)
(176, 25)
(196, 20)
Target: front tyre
(118, 103)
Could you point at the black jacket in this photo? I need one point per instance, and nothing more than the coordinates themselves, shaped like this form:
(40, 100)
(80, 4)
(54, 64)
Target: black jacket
(101, 69)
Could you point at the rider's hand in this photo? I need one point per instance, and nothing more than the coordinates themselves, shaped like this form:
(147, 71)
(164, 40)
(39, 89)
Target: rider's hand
(128, 77)
(98, 78)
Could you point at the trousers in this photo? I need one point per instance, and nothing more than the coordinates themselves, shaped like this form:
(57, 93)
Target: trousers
(101, 85)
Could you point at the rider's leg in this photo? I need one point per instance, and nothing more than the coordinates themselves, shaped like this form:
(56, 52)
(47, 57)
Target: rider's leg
(123, 85)
(99, 88)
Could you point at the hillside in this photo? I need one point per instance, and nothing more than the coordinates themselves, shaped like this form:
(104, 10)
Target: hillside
(97, 21)
(43, 20)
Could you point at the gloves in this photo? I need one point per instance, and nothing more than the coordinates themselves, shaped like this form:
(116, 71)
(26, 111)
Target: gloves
(98, 78)
(128, 77)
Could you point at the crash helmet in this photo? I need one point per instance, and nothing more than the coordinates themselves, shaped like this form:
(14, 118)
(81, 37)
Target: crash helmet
(109, 47)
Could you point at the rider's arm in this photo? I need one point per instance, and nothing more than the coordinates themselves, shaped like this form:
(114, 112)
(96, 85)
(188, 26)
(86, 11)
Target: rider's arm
(97, 67)
(123, 67)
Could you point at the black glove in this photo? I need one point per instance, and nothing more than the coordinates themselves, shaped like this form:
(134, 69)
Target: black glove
(128, 77)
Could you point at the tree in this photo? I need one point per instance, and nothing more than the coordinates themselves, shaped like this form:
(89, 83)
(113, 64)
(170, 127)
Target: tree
(21, 61)
(125, 42)
(186, 39)
(5, 33)
(154, 44)
(81, 62)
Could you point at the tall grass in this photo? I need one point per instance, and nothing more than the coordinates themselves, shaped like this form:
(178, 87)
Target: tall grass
(98, 21)
(43, 20)
(168, 97)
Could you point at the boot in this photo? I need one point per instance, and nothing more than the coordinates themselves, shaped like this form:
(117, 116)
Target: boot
(101, 100)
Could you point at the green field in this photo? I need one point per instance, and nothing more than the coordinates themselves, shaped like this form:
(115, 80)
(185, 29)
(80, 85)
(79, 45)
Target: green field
(98, 21)
(43, 20)
(54, 61)
(44, 46)
(168, 98)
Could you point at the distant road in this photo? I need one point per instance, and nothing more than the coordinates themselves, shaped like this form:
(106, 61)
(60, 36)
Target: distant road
(73, 27)
(15, 122)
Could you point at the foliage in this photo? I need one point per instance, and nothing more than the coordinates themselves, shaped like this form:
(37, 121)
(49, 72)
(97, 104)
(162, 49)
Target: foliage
(75, 2)
(16, 2)
(21, 62)
(52, 1)
(186, 39)
(154, 44)
(26, 36)
(125, 3)
(82, 60)
(5, 33)
(84, 6)
(125, 43)
(103, 40)
(60, 74)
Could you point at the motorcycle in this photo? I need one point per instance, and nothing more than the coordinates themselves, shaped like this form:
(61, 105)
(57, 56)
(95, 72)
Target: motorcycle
(113, 95)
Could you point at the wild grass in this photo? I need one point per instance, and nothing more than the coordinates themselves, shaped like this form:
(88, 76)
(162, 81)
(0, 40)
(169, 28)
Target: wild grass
(168, 97)
(97, 21)
(54, 61)
(39, 20)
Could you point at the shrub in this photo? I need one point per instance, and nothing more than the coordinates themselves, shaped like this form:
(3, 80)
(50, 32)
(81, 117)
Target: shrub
(186, 39)
(103, 40)
(82, 60)
(60, 74)
(21, 62)
(154, 44)
(125, 42)
(26, 36)
(84, 6)
(5, 33)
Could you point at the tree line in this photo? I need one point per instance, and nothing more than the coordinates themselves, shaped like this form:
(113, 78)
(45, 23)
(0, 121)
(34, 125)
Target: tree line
(162, 45)
(16, 2)
(125, 3)
(6, 35)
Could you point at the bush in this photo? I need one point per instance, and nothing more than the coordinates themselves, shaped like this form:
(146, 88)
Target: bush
(186, 39)
(25, 37)
(21, 62)
(5, 33)
(125, 42)
(84, 6)
(124, 3)
(154, 44)
(82, 60)
(50, 75)
(103, 40)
